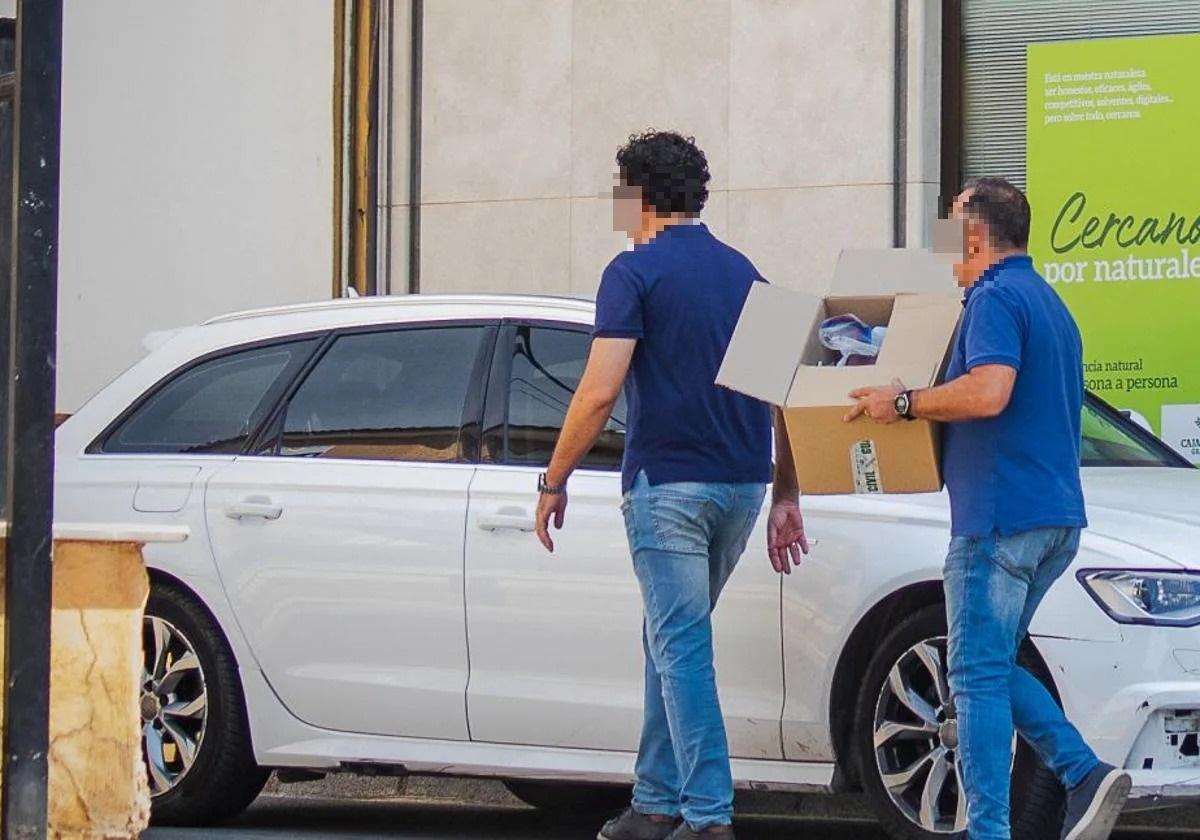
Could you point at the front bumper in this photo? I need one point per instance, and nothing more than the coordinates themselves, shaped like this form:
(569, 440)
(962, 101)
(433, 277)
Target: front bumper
(1165, 758)
(1137, 704)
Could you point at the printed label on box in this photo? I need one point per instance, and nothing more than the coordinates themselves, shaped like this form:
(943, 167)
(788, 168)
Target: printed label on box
(1181, 430)
(865, 465)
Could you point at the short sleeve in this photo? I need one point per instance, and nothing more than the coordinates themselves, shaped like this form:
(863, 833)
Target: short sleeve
(994, 333)
(619, 304)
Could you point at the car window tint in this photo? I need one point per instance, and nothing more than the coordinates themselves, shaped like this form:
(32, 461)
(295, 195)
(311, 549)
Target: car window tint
(1106, 443)
(396, 395)
(210, 407)
(547, 365)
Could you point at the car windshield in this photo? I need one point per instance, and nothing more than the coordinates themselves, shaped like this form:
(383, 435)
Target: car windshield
(1111, 440)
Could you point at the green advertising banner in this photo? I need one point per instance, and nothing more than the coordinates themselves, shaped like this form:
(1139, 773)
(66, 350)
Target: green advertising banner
(1114, 182)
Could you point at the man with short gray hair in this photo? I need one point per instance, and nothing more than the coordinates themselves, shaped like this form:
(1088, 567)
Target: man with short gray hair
(1011, 405)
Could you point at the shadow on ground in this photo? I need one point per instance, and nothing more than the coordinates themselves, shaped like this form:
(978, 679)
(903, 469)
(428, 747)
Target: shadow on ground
(273, 818)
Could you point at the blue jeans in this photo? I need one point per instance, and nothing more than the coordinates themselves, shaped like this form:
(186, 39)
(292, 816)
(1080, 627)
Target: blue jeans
(685, 539)
(993, 587)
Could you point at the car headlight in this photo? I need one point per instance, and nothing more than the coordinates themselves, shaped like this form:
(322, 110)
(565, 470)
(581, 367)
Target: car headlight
(1170, 599)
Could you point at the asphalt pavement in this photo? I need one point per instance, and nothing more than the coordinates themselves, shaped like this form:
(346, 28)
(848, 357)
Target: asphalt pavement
(277, 817)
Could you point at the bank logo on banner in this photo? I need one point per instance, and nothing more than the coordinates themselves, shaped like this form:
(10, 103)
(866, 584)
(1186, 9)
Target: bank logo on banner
(1115, 191)
(1181, 429)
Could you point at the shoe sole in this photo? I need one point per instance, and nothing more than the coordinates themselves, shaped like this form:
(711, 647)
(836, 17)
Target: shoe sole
(603, 836)
(1098, 821)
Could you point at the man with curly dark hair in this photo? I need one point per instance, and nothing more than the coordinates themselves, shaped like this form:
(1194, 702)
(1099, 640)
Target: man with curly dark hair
(697, 461)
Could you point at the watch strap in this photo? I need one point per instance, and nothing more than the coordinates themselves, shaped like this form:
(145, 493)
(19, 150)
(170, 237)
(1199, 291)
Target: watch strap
(545, 488)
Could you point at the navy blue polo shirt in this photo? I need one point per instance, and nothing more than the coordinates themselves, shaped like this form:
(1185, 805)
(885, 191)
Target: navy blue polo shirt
(1019, 470)
(680, 295)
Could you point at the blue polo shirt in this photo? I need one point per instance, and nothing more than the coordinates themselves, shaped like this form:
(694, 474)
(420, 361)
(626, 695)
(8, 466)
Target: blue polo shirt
(680, 295)
(1020, 470)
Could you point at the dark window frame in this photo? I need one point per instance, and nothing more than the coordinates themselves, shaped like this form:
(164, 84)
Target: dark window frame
(269, 433)
(495, 420)
(319, 337)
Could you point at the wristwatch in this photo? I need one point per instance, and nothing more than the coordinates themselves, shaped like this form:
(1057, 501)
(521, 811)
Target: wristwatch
(904, 405)
(546, 490)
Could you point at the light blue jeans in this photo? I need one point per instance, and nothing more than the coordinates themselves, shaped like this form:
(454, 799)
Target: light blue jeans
(686, 539)
(993, 587)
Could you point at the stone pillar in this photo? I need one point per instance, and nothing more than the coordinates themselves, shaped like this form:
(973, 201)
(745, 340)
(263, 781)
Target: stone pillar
(98, 786)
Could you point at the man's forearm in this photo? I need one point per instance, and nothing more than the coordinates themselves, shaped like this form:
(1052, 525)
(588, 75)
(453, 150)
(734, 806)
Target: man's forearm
(585, 420)
(974, 396)
(786, 486)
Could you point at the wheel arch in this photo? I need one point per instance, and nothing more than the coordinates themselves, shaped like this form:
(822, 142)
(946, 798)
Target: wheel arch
(161, 578)
(233, 777)
(854, 658)
(852, 663)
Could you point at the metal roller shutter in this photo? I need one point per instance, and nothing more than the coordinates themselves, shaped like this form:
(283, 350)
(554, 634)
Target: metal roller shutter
(995, 34)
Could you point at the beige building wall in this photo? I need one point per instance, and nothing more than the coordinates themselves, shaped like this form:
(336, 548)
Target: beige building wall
(198, 150)
(197, 170)
(526, 101)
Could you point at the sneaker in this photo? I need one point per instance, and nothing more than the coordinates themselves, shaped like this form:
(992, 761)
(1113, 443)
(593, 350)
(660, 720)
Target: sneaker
(686, 832)
(1095, 803)
(633, 825)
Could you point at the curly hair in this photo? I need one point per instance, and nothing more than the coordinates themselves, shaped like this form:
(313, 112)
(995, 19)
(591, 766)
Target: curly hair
(669, 168)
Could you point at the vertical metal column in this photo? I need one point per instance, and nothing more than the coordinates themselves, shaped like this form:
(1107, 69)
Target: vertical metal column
(417, 58)
(30, 406)
(900, 118)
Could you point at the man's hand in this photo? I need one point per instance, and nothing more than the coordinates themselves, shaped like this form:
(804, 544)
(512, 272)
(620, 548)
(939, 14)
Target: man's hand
(878, 403)
(550, 507)
(786, 540)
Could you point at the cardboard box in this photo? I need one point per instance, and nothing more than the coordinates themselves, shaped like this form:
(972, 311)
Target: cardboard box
(776, 356)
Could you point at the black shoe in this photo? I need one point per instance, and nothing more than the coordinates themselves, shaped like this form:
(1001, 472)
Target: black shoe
(632, 825)
(1095, 803)
(685, 832)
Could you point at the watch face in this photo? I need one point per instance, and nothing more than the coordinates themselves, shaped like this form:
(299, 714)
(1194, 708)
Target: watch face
(902, 404)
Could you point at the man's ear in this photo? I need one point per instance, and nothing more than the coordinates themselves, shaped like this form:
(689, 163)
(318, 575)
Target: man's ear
(975, 240)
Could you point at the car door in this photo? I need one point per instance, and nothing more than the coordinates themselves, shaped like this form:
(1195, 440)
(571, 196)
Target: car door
(555, 640)
(340, 541)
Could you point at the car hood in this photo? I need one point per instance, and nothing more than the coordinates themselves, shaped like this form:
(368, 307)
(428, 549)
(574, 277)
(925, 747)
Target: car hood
(1156, 509)
(1153, 509)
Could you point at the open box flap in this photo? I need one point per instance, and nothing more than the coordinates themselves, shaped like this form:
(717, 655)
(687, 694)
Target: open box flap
(891, 271)
(920, 330)
(767, 343)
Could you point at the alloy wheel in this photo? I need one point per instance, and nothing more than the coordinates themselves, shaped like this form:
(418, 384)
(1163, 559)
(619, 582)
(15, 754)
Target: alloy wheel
(174, 704)
(916, 740)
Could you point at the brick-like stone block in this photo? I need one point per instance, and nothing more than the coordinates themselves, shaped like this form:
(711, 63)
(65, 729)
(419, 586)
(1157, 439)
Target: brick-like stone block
(98, 786)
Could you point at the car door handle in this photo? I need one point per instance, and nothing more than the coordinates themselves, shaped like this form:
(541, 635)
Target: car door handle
(255, 507)
(506, 519)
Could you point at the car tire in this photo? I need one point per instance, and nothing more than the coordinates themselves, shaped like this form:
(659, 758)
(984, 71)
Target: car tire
(1036, 794)
(190, 669)
(567, 798)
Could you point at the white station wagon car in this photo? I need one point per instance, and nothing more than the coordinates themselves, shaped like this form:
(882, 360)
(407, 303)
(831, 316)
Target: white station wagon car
(362, 588)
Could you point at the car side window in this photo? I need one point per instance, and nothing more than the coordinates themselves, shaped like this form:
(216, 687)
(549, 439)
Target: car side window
(209, 407)
(547, 365)
(397, 395)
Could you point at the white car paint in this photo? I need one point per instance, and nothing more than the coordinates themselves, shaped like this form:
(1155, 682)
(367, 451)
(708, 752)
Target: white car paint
(353, 597)
(403, 614)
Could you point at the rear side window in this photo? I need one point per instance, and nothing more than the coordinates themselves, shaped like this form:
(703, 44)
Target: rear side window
(398, 395)
(210, 407)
